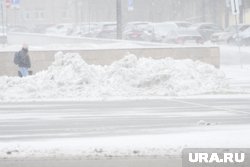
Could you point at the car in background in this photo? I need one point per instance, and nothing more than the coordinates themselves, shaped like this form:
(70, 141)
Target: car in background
(107, 30)
(184, 36)
(60, 29)
(183, 24)
(137, 31)
(41, 28)
(84, 30)
(147, 31)
(90, 30)
(160, 31)
(243, 38)
(3, 35)
(227, 35)
(206, 29)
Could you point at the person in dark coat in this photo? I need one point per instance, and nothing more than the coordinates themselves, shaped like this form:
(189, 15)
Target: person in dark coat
(22, 59)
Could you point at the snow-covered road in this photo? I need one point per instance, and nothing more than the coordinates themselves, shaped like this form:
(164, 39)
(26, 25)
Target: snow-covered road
(119, 126)
(26, 121)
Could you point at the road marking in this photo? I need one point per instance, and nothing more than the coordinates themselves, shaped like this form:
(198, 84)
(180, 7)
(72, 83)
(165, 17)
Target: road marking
(208, 106)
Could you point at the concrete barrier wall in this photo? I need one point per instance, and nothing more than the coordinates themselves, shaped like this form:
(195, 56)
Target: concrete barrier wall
(42, 59)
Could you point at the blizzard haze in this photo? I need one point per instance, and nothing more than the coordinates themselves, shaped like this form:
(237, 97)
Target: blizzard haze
(122, 82)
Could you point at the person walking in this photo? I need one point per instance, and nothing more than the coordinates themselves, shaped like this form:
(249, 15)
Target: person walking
(22, 59)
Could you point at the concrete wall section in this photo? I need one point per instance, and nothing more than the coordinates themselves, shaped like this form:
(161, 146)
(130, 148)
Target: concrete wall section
(107, 56)
(42, 59)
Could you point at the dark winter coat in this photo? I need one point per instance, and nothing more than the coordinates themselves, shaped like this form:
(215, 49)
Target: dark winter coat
(22, 58)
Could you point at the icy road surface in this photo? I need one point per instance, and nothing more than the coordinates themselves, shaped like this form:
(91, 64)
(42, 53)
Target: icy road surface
(128, 133)
(47, 120)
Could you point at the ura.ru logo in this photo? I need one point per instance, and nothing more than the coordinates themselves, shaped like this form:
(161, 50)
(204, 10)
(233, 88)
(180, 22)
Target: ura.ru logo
(216, 158)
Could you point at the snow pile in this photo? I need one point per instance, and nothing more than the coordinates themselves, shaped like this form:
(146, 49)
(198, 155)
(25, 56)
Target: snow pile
(71, 77)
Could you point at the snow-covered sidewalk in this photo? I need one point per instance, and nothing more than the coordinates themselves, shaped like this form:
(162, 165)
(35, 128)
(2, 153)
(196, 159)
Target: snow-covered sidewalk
(123, 146)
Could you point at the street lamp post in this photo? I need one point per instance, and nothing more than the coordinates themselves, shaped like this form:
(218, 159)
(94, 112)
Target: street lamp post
(2, 15)
(119, 19)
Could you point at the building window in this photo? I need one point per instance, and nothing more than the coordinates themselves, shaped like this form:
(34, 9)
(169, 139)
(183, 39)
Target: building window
(27, 15)
(34, 15)
(39, 15)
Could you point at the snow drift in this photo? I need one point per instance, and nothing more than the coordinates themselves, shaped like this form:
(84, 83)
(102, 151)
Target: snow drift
(70, 77)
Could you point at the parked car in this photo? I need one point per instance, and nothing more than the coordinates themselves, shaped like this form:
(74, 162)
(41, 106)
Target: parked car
(227, 35)
(41, 28)
(184, 36)
(243, 38)
(90, 30)
(107, 30)
(60, 29)
(160, 31)
(84, 30)
(182, 24)
(206, 29)
(3, 35)
(137, 31)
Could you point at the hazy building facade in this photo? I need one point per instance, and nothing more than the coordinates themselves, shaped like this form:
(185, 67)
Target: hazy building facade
(35, 12)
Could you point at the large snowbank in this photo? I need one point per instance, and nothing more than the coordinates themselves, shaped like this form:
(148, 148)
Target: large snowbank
(71, 77)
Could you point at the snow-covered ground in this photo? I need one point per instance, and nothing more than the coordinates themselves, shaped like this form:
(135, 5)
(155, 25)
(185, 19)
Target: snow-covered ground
(72, 46)
(112, 45)
(237, 75)
(126, 146)
(69, 77)
(235, 63)
(94, 44)
(232, 55)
